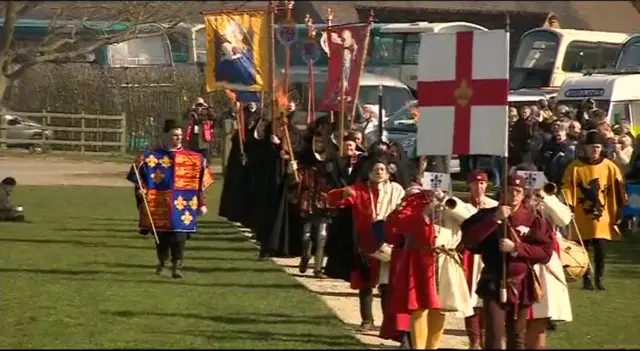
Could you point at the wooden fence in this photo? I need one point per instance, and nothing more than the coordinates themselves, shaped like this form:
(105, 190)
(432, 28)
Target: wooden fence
(66, 132)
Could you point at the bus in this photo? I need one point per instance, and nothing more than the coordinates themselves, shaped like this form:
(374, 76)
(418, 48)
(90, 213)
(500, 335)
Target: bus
(148, 51)
(393, 48)
(629, 58)
(547, 56)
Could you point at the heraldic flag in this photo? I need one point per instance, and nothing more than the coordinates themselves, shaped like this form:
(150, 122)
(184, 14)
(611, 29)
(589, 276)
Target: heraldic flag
(463, 86)
(238, 52)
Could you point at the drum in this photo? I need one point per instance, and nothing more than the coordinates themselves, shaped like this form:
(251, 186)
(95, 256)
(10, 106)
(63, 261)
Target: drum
(574, 258)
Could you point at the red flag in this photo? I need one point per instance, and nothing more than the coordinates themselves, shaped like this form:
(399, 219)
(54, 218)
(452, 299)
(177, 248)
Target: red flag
(346, 52)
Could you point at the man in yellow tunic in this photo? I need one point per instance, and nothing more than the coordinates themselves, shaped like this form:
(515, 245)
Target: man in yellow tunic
(594, 189)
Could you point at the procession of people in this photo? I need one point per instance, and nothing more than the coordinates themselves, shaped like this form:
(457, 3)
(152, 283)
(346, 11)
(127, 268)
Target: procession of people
(363, 210)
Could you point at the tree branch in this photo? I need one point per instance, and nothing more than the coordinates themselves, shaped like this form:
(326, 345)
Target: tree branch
(18, 69)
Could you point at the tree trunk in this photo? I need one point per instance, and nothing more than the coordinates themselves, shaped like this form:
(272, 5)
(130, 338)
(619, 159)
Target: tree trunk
(5, 83)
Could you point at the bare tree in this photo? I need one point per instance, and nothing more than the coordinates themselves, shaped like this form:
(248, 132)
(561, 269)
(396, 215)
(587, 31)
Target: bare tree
(77, 28)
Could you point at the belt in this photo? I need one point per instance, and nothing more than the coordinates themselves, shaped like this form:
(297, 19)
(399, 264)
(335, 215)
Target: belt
(451, 253)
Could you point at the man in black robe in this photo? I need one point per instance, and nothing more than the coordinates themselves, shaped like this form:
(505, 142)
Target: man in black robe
(341, 248)
(236, 189)
(274, 232)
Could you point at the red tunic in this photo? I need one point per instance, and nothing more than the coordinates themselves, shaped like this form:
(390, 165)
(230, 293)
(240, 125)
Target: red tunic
(360, 203)
(482, 233)
(414, 277)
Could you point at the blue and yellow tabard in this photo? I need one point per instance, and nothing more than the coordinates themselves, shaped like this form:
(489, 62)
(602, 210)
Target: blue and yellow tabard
(173, 181)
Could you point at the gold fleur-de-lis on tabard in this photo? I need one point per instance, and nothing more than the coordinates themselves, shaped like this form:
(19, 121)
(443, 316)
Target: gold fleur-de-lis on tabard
(180, 203)
(187, 218)
(463, 93)
(166, 162)
(194, 203)
(152, 161)
(157, 176)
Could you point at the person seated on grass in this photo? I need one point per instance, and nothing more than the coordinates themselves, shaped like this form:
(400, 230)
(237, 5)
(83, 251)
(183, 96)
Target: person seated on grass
(8, 212)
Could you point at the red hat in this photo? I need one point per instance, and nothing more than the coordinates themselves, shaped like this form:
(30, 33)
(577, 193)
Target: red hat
(516, 180)
(477, 176)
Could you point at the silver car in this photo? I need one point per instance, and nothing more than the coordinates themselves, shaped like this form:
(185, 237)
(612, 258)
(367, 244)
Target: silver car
(25, 129)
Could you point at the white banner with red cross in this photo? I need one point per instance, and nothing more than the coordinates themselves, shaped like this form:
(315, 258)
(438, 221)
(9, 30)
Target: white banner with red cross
(463, 86)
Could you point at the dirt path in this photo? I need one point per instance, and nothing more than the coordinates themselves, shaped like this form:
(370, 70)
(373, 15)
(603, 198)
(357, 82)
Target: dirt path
(52, 170)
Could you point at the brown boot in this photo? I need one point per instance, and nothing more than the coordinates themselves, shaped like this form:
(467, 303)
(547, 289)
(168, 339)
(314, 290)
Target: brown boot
(176, 271)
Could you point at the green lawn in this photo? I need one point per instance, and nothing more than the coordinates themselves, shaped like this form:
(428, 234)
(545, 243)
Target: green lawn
(606, 319)
(79, 276)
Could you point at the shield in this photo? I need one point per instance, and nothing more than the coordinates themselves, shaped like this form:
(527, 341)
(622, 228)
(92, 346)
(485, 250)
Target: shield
(287, 33)
(310, 52)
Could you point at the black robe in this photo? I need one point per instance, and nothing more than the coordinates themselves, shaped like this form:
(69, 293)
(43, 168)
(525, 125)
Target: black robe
(235, 197)
(280, 225)
(341, 246)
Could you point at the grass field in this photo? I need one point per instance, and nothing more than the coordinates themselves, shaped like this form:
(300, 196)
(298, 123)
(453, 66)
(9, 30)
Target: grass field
(79, 276)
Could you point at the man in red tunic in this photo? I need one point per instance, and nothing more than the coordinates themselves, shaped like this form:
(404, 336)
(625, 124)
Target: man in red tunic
(370, 202)
(529, 242)
(474, 324)
(413, 291)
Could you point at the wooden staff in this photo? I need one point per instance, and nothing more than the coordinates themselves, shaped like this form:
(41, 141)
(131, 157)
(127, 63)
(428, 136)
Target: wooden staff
(262, 104)
(343, 88)
(287, 144)
(329, 21)
(311, 103)
(271, 13)
(144, 200)
(362, 63)
(240, 121)
(505, 223)
(287, 51)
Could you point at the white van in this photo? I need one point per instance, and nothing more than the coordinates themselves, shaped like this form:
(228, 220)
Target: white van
(396, 94)
(617, 94)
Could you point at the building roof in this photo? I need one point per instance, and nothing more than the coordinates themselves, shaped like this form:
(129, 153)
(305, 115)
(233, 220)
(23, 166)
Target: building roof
(616, 16)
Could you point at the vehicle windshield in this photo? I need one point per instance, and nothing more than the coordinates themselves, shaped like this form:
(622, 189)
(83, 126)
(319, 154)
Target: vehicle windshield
(393, 98)
(537, 50)
(629, 58)
(575, 104)
(405, 119)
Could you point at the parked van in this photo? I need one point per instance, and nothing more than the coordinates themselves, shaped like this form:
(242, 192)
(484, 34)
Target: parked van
(617, 94)
(395, 93)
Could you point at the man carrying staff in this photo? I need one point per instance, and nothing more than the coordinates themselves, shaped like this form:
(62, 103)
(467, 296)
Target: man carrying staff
(173, 182)
(529, 242)
(593, 187)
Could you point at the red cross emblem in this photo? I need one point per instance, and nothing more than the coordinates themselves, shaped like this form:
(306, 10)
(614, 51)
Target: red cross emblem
(463, 93)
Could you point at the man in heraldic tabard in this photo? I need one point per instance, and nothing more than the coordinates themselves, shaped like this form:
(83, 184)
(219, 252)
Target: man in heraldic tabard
(173, 181)
(594, 188)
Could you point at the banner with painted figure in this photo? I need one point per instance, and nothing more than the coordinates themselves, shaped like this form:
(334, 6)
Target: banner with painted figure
(238, 55)
(346, 52)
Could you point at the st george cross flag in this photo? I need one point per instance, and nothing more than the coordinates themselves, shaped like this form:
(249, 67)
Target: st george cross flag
(433, 180)
(463, 86)
(534, 180)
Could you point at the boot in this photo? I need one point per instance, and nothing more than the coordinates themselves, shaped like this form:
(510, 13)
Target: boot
(405, 341)
(161, 268)
(306, 252)
(587, 282)
(304, 264)
(176, 270)
(600, 283)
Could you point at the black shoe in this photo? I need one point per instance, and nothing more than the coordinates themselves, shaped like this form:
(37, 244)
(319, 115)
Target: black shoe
(600, 283)
(160, 268)
(304, 264)
(587, 282)
(176, 270)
